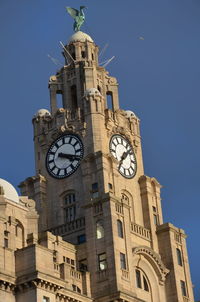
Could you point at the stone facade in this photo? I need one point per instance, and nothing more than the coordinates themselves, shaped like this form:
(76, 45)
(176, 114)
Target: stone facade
(101, 234)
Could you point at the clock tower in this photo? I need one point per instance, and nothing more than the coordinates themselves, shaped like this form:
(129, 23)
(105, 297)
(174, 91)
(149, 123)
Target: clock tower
(91, 191)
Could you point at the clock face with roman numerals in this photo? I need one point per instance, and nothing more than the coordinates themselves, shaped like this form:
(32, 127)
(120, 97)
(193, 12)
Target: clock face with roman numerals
(64, 156)
(122, 150)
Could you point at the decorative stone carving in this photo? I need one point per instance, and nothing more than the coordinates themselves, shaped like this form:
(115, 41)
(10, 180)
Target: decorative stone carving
(155, 261)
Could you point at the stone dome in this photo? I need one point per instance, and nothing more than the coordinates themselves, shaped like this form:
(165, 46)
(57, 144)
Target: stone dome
(92, 91)
(129, 113)
(42, 112)
(9, 191)
(80, 36)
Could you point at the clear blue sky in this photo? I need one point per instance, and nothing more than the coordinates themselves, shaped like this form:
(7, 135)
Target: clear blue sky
(159, 79)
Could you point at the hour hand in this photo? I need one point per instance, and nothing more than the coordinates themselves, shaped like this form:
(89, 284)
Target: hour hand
(68, 156)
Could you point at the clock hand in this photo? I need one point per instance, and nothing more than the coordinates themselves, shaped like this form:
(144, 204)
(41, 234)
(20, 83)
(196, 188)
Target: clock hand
(68, 156)
(124, 156)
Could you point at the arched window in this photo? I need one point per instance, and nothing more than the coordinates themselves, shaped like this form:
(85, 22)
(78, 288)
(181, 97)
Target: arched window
(69, 207)
(141, 280)
(125, 198)
(179, 257)
(120, 228)
(19, 233)
(99, 229)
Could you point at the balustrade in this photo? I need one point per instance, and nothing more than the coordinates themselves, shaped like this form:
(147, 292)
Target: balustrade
(141, 231)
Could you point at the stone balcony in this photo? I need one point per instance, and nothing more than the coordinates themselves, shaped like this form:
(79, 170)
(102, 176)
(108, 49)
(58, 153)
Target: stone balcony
(140, 231)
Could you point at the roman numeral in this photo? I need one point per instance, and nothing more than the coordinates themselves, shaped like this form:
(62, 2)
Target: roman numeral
(51, 161)
(75, 143)
(52, 168)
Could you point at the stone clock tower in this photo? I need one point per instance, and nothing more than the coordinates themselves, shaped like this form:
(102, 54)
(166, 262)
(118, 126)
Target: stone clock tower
(101, 232)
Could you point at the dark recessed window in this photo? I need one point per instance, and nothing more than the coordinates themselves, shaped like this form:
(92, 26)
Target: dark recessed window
(81, 238)
(122, 261)
(183, 288)
(95, 190)
(155, 219)
(83, 54)
(146, 287)
(110, 186)
(120, 228)
(138, 279)
(179, 257)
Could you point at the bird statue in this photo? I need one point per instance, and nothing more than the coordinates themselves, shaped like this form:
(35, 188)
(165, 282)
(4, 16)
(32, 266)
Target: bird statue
(79, 16)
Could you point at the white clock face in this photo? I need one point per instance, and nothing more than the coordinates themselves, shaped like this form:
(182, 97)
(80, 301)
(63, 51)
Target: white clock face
(64, 156)
(122, 150)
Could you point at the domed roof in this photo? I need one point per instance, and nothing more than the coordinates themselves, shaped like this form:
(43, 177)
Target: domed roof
(42, 112)
(9, 191)
(80, 36)
(92, 91)
(129, 113)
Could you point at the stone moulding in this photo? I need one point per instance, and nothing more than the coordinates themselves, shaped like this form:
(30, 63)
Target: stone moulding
(154, 259)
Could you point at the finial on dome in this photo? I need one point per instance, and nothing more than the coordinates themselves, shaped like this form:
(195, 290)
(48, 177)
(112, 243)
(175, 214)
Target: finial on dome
(77, 15)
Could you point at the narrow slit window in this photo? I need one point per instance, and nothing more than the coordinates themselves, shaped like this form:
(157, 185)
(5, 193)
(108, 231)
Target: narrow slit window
(179, 257)
(183, 288)
(138, 279)
(122, 261)
(120, 228)
(74, 97)
(109, 96)
(146, 287)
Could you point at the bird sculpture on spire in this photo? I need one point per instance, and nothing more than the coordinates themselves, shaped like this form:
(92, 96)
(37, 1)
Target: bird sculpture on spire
(77, 15)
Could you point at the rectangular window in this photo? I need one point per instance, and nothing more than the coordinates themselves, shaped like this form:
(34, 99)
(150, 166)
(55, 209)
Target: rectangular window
(179, 257)
(95, 187)
(6, 242)
(45, 299)
(81, 238)
(70, 213)
(155, 218)
(138, 278)
(183, 288)
(102, 261)
(72, 262)
(83, 265)
(120, 228)
(122, 261)
(95, 190)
